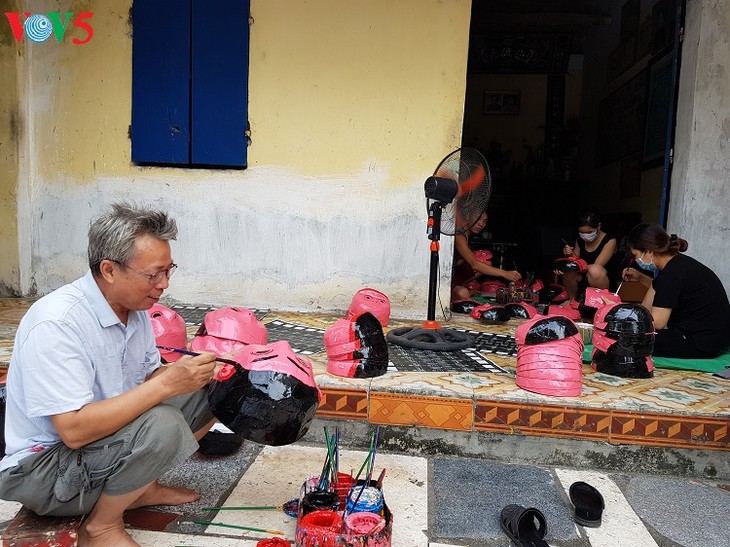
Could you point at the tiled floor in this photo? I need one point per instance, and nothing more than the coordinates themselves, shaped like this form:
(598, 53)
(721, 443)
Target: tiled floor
(681, 409)
(673, 409)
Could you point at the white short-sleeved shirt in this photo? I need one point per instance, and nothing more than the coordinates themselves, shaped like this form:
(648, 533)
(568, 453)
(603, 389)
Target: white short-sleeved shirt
(70, 349)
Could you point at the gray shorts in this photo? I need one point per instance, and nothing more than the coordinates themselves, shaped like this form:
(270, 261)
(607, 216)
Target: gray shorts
(64, 482)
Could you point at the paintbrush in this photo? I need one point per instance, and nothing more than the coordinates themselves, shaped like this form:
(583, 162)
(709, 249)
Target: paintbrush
(337, 452)
(322, 483)
(367, 460)
(625, 263)
(237, 527)
(567, 245)
(289, 507)
(375, 450)
(379, 483)
(195, 354)
(619, 286)
(369, 470)
(244, 508)
(330, 441)
(357, 499)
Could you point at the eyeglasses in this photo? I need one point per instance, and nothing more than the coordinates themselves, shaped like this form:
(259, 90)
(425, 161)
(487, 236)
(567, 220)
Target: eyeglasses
(155, 278)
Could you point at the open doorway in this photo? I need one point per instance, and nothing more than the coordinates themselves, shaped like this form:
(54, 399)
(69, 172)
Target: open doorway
(572, 104)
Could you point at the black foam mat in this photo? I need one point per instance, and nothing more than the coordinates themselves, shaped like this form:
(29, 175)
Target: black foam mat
(403, 359)
(194, 315)
(303, 340)
(492, 342)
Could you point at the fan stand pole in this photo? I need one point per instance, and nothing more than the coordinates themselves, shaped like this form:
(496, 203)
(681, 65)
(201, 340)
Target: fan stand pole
(434, 234)
(430, 335)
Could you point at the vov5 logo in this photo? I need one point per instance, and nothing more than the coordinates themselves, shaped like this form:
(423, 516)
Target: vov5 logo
(39, 27)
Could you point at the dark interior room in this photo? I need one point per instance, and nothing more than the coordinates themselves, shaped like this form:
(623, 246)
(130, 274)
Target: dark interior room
(563, 101)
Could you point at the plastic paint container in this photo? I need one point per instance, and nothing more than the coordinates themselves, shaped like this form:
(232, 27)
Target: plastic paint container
(319, 500)
(345, 482)
(319, 529)
(363, 523)
(364, 498)
(309, 485)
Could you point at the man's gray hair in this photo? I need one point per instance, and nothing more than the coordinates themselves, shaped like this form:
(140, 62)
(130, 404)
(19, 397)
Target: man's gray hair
(112, 234)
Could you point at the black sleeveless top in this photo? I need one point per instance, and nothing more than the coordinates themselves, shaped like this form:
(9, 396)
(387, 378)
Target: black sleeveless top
(591, 256)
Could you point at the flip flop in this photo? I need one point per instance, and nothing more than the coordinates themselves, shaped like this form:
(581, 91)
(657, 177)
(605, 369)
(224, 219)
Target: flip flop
(588, 503)
(218, 443)
(525, 526)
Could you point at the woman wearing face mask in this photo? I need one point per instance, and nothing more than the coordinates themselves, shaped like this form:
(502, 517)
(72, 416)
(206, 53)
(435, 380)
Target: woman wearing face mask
(467, 267)
(594, 246)
(687, 300)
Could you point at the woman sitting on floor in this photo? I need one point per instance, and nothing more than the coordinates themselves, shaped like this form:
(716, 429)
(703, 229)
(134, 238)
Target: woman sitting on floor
(687, 300)
(467, 267)
(597, 248)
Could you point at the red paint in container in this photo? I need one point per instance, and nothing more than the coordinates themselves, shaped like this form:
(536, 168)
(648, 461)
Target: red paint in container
(345, 481)
(363, 524)
(325, 528)
(319, 529)
(273, 542)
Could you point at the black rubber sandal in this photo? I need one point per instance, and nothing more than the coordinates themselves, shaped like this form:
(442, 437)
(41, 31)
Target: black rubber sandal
(525, 526)
(218, 443)
(588, 503)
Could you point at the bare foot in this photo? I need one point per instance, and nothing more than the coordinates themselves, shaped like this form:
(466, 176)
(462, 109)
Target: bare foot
(158, 494)
(115, 536)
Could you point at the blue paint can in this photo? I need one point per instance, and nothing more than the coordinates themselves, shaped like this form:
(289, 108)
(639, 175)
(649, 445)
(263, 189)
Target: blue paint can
(364, 498)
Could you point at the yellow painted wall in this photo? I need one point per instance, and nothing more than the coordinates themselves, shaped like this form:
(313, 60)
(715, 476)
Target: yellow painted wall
(325, 92)
(80, 96)
(362, 77)
(11, 130)
(351, 106)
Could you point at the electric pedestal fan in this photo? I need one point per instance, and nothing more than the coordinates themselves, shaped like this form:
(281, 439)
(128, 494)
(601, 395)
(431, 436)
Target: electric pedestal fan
(456, 196)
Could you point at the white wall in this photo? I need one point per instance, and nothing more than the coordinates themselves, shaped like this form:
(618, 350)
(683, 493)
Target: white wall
(699, 207)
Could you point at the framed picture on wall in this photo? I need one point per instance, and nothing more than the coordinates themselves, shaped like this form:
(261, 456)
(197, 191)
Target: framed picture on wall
(501, 102)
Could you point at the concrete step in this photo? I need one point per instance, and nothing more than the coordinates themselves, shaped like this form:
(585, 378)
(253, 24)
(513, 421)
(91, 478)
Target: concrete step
(531, 450)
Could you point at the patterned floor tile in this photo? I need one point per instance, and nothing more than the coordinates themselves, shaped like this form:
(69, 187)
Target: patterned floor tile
(674, 408)
(429, 384)
(675, 391)
(343, 404)
(663, 430)
(542, 420)
(412, 410)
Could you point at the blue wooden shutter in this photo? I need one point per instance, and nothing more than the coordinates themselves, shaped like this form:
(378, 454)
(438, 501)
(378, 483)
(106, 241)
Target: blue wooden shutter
(219, 92)
(161, 81)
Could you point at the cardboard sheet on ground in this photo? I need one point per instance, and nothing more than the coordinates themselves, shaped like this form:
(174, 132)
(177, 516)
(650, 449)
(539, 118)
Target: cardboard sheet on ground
(701, 365)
